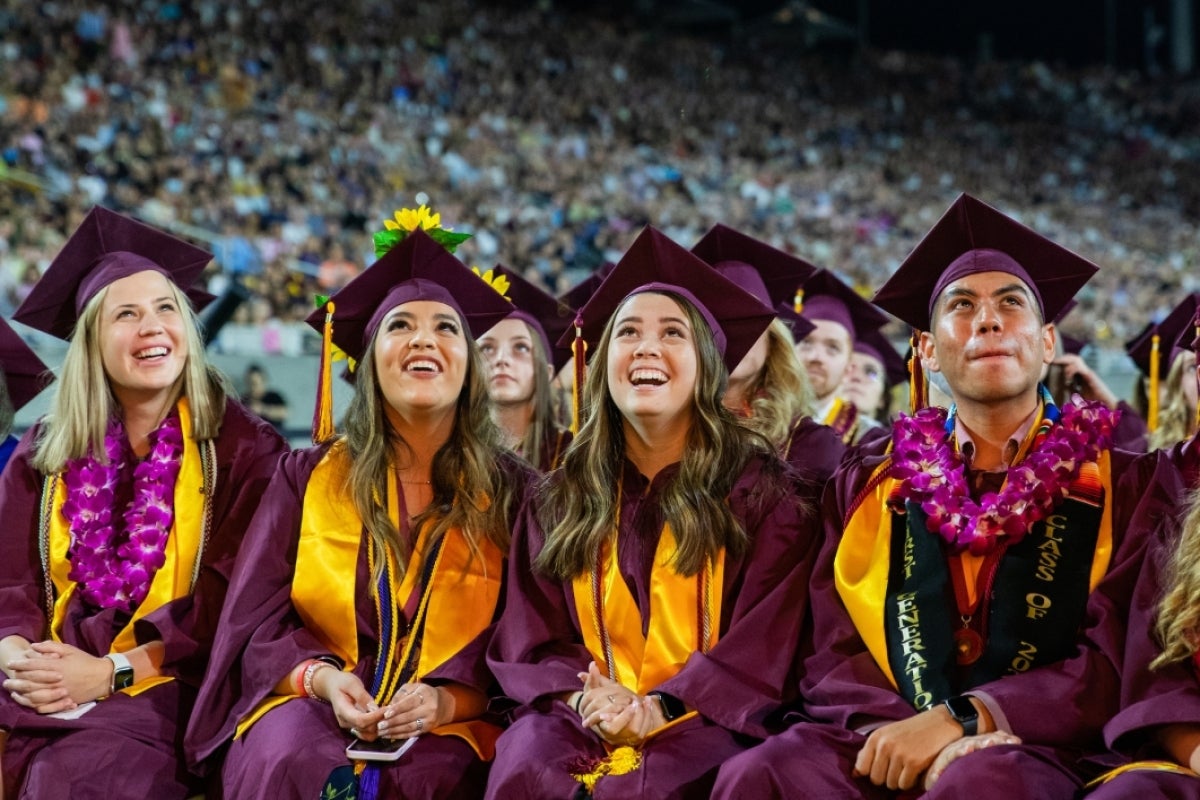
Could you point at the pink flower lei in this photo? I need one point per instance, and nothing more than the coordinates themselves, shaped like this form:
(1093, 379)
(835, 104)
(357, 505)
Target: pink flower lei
(932, 474)
(113, 568)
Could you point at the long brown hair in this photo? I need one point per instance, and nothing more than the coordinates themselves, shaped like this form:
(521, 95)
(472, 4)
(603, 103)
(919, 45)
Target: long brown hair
(469, 491)
(1176, 419)
(579, 502)
(544, 419)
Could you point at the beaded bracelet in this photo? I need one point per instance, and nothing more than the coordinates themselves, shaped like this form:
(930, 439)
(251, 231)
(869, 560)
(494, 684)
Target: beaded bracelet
(299, 671)
(309, 672)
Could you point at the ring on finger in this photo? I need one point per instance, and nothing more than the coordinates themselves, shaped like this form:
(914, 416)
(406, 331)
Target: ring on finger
(420, 724)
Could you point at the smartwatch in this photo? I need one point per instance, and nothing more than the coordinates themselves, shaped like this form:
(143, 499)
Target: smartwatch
(672, 707)
(962, 710)
(122, 672)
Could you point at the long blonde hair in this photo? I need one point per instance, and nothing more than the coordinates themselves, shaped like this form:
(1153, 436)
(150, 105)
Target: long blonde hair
(1178, 623)
(84, 401)
(470, 491)
(781, 392)
(579, 500)
(1176, 419)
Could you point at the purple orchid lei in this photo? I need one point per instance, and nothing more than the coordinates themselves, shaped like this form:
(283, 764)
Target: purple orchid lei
(932, 473)
(111, 570)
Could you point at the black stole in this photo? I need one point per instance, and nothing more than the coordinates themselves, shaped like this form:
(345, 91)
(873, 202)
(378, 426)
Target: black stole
(1034, 608)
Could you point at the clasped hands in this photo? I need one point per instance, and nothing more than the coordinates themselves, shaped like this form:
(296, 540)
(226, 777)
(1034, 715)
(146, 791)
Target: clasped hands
(416, 708)
(896, 755)
(50, 677)
(616, 714)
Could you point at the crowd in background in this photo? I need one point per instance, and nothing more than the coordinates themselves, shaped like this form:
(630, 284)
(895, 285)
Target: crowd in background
(281, 135)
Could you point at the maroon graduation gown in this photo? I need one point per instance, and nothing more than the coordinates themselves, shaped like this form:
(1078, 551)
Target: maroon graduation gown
(843, 688)
(538, 649)
(131, 746)
(814, 452)
(293, 748)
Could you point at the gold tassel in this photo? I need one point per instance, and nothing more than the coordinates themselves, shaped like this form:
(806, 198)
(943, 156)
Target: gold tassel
(918, 389)
(1152, 392)
(1147, 766)
(322, 424)
(621, 761)
(798, 301)
(579, 368)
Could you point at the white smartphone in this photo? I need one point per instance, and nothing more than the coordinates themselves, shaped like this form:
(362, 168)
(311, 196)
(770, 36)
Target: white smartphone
(380, 749)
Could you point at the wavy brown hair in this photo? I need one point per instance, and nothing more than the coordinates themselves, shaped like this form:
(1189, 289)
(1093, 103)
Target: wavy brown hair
(780, 392)
(544, 419)
(1178, 622)
(579, 502)
(470, 492)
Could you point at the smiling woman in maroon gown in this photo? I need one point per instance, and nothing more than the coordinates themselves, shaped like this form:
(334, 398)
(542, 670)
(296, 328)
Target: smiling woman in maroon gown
(123, 511)
(648, 576)
(363, 601)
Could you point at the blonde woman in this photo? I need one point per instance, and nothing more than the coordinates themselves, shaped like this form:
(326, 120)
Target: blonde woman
(658, 561)
(361, 608)
(769, 388)
(123, 510)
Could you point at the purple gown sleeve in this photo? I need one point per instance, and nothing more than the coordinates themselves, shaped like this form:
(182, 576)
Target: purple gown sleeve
(22, 600)
(247, 451)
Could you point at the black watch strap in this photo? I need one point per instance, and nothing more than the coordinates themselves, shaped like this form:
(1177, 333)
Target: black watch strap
(963, 711)
(672, 707)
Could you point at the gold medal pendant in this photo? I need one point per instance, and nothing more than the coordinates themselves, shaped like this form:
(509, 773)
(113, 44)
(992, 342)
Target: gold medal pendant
(968, 646)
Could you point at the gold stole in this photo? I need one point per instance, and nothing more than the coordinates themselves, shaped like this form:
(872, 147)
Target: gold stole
(864, 556)
(183, 551)
(461, 597)
(681, 608)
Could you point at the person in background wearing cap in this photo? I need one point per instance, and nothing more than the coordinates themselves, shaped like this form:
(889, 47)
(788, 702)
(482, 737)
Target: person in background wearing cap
(1156, 733)
(875, 368)
(657, 578)
(23, 376)
(1069, 373)
(839, 316)
(965, 556)
(769, 389)
(520, 366)
(133, 493)
(363, 600)
(1162, 349)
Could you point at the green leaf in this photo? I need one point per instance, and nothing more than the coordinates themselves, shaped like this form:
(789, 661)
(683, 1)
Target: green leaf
(320, 300)
(448, 239)
(387, 239)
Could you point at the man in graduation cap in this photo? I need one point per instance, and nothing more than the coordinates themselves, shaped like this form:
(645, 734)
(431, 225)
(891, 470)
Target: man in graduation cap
(840, 317)
(965, 556)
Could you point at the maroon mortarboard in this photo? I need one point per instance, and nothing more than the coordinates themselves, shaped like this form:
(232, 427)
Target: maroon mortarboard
(766, 272)
(1174, 334)
(873, 343)
(24, 372)
(416, 269)
(825, 297)
(972, 237)
(581, 292)
(654, 263)
(106, 247)
(548, 317)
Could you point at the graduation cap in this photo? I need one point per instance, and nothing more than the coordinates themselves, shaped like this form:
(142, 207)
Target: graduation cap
(1157, 346)
(654, 263)
(417, 268)
(547, 317)
(766, 272)
(972, 237)
(106, 247)
(874, 344)
(825, 297)
(581, 292)
(24, 373)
